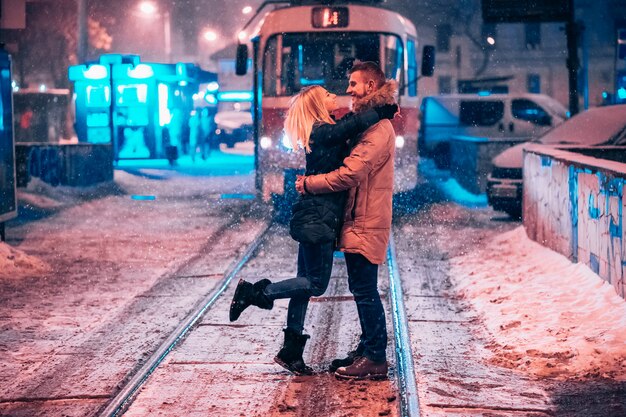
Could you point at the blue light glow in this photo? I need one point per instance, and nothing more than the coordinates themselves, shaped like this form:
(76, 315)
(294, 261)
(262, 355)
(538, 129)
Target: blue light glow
(234, 96)
(304, 81)
(164, 112)
(621, 93)
(237, 196)
(212, 87)
(143, 197)
(210, 98)
(484, 93)
(455, 192)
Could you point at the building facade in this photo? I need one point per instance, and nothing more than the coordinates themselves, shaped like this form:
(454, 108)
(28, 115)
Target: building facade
(524, 57)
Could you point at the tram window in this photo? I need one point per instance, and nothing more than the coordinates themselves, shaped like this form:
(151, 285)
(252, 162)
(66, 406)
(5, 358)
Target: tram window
(269, 67)
(295, 60)
(394, 59)
(412, 66)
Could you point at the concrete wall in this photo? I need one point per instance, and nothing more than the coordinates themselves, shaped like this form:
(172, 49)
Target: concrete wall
(573, 204)
(76, 165)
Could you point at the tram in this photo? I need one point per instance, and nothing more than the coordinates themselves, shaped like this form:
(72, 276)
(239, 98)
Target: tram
(302, 43)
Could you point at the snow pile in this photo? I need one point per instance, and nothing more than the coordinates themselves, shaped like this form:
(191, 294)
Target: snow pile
(545, 315)
(16, 264)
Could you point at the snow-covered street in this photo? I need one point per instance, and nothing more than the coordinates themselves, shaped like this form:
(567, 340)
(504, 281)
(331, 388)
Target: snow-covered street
(93, 280)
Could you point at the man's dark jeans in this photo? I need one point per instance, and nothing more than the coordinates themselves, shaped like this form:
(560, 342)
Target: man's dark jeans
(315, 263)
(363, 284)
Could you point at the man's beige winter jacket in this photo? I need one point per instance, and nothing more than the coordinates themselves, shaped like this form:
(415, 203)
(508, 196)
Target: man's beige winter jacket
(368, 175)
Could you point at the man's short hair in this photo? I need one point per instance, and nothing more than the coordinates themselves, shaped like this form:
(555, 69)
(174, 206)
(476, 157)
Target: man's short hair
(371, 70)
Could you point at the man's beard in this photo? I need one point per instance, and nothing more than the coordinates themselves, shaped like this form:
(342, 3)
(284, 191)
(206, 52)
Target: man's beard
(353, 101)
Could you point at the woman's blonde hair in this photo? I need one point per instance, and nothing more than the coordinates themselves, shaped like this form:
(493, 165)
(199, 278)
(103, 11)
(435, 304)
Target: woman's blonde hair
(306, 108)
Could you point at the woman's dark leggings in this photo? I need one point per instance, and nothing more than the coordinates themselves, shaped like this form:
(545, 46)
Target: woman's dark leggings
(315, 263)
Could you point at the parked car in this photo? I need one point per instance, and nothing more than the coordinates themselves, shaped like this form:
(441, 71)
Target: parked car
(594, 127)
(233, 124)
(492, 116)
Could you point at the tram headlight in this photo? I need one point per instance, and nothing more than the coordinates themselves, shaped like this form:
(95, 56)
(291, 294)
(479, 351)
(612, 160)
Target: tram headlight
(286, 142)
(399, 142)
(265, 142)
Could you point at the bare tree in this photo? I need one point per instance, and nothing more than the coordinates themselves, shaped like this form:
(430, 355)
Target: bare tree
(47, 47)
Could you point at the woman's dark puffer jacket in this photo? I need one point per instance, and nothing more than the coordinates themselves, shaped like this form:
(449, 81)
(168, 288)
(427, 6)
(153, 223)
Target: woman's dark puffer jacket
(317, 218)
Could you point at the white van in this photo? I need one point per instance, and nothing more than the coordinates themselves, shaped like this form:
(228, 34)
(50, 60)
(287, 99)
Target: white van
(493, 116)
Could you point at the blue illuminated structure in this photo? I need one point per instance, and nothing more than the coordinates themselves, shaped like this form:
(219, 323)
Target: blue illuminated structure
(141, 108)
(8, 201)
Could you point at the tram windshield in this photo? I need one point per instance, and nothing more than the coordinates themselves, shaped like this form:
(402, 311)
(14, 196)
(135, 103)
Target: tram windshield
(294, 60)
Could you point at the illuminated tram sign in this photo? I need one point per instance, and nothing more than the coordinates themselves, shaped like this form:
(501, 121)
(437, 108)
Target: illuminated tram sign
(330, 17)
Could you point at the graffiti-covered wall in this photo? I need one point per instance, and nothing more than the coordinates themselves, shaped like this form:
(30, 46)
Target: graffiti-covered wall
(573, 204)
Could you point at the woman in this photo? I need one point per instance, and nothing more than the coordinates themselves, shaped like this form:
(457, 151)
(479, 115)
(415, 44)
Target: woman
(315, 221)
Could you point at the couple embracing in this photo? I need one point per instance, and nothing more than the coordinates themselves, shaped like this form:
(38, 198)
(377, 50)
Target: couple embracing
(345, 203)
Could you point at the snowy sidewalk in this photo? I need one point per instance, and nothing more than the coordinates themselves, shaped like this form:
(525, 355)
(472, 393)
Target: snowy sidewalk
(501, 324)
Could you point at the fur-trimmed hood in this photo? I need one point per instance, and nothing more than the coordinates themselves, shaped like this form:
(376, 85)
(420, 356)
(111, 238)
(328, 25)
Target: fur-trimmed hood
(384, 95)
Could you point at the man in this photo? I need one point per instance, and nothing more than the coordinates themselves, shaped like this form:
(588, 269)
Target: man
(368, 175)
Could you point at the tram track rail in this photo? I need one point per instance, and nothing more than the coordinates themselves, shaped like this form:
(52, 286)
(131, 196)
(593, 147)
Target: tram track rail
(405, 372)
(120, 402)
(408, 405)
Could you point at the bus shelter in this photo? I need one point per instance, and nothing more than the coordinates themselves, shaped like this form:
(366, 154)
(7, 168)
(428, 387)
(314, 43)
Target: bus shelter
(142, 109)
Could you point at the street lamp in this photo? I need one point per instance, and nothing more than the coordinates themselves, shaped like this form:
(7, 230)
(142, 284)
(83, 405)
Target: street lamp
(148, 8)
(210, 35)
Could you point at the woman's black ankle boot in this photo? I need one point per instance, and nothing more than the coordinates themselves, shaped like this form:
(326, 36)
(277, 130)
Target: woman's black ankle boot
(247, 294)
(290, 355)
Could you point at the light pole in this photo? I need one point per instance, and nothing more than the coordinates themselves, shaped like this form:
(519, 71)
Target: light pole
(81, 46)
(148, 8)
